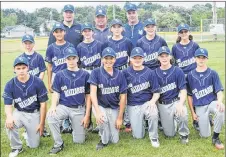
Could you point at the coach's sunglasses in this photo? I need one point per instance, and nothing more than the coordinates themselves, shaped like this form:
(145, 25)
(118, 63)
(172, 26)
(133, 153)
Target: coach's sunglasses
(185, 31)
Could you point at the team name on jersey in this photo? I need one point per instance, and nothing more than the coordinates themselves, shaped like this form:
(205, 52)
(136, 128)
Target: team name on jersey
(108, 90)
(26, 102)
(75, 91)
(59, 61)
(121, 54)
(34, 71)
(140, 87)
(150, 57)
(168, 87)
(186, 62)
(203, 92)
(91, 59)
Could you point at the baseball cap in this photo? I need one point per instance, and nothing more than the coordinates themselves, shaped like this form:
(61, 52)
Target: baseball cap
(137, 51)
(183, 26)
(108, 52)
(69, 7)
(70, 51)
(116, 22)
(201, 52)
(58, 26)
(21, 60)
(28, 37)
(149, 22)
(100, 11)
(131, 6)
(164, 49)
(87, 26)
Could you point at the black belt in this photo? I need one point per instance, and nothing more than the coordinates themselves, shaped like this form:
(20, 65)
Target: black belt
(76, 106)
(122, 67)
(32, 111)
(169, 101)
(91, 68)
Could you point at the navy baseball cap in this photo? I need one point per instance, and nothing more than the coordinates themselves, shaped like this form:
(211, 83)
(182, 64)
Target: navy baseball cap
(100, 11)
(69, 7)
(201, 52)
(28, 37)
(87, 26)
(108, 52)
(164, 49)
(116, 22)
(131, 6)
(137, 51)
(21, 60)
(149, 22)
(183, 26)
(70, 51)
(58, 26)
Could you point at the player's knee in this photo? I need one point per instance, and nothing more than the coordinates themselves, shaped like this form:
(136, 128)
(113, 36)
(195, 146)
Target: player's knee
(115, 140)
(79, 140)
(34, 144)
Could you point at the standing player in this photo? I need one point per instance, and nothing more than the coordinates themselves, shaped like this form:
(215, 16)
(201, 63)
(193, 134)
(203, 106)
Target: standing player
(173, 93)
(108, 94)
(28, 95)
(143, 92)
(71, 94)
(183, 52)
(205, 91)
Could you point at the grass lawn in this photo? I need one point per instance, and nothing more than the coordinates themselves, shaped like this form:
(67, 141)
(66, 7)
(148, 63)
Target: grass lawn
(127, 146)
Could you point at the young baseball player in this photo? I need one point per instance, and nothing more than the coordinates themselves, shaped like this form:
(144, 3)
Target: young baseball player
(150, 43)
(71, 94)
(172, 99)
(28, 95)
(205, 90)
(108, 89)
(183, 52)
(56, 61)
(143, 92)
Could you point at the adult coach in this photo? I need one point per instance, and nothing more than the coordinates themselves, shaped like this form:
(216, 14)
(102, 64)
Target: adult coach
(73, 29)
(134, 29)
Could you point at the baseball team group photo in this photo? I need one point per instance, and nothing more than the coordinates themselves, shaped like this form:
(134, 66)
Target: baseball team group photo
(123, 79)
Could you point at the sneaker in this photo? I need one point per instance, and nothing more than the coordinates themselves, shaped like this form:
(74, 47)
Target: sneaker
(184, 139)
(217, 143)
(15, 152)
(56, 150)
(160, 126)
(90, 127)
(45, 133)
(196, 125)
(100, 145)
(155, 143)
(128, 128)
(95, 130)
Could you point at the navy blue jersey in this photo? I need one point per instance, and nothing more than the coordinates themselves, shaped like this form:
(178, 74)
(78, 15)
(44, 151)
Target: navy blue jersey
(102, 36)
(134, 32)
(36, 63)
(73, 35)
(109, 87)
(184, 56)
(122, 48)
(171, 81)
(55, 56)
(203, 86)
(150, 48)
(141, 85)
(72, 87)
(90, 53)
(25, 96)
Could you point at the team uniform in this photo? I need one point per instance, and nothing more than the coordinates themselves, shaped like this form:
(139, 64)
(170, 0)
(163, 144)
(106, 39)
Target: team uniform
(102, 36)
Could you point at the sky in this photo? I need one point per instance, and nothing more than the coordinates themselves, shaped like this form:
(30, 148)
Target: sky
(31, 6)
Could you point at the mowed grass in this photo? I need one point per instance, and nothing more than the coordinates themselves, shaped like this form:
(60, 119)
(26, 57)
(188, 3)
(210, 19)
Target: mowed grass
(127, 146)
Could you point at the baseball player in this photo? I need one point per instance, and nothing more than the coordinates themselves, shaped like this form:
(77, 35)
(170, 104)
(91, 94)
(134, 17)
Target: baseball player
(205, 90)
(143, 92)
(183, 52)
(71, 94)
(28, 95)
(108, 94)
(173, 93)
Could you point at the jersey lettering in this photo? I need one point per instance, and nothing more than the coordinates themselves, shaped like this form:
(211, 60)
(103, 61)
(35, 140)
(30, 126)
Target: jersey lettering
(186, 62)
(91, 59)
(26, 102)
(110, 90)
(121, 54)
(168, 87)
(150, 57)
(140, 87)
(204, 92)
(75, 91)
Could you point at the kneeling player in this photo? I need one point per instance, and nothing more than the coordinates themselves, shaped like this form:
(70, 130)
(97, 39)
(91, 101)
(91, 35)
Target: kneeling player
(205, 89)
(71, 93)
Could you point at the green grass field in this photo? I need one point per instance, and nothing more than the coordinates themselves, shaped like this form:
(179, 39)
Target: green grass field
(127, 146)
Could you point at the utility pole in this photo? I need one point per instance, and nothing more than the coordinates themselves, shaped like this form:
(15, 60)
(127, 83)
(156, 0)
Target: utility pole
(214, 13)
(113, 11)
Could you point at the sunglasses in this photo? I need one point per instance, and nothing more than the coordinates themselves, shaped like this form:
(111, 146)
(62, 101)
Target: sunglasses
(185, 31)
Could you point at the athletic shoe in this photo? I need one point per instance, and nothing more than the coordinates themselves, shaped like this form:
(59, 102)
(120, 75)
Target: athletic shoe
(90, 127)
(15, 152)
(184, 139)
(100, 145)
(217, 143)
(56, 150)
(95, 130)
(128, 128)
(196, 125)
(155, 143)
(45, 133)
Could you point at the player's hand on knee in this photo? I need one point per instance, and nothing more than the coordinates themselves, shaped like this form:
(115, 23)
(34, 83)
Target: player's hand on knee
(220, 107)
(85, 121)
(118, 123)
(153, 109)
(52, 111)
(50, 88)
(9, 122)
(40, 129)
(180, 110)
(194, 116)
(100, 118)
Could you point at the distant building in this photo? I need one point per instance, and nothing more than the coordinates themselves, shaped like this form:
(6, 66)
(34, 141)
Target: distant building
(16, 31)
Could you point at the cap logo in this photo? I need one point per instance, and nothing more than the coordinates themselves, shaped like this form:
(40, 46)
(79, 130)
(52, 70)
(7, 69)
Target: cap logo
(57, 25)
(202, 50)
(108, 50)
(68, 6)
(27, 36)
(21, 59)
(100, 11)
(137, 51)
(182, 25)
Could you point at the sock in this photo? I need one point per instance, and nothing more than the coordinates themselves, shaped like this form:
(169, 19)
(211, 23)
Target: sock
(215, 135)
